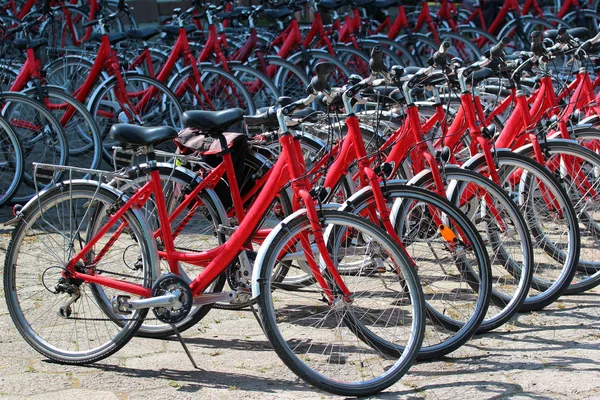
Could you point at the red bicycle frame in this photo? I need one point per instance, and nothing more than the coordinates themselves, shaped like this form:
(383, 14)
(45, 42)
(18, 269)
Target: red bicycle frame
(289, 167)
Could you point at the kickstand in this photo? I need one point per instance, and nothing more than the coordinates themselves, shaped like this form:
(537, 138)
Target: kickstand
(187, 351)
(256, 316)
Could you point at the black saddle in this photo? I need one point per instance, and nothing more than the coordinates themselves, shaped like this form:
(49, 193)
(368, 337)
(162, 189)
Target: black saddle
(24, 44)
(172, 30)
(278, 14)
(139, 136)
(113, 38)
(212, 123)
(142, 34)
(579, 33)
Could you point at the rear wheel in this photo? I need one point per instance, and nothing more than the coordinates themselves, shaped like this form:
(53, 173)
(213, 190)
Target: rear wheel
(55, 313)
(145, 102)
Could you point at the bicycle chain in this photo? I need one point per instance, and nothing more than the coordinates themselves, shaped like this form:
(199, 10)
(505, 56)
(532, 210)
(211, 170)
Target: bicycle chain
(112, 319)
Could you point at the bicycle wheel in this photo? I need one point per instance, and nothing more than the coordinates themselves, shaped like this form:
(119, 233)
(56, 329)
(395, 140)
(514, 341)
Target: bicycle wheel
(355, 60)
(196, 230)
(503, 230)
(55, 313)
(551, 220)
(70, 72)
(482, 39)
(263, 91)
(289, 80)
(11, 162)
(41, 136)
(338, 347)
(578, 169)
(81, 131)
(146, 102)
(456, 280)
(217, 90)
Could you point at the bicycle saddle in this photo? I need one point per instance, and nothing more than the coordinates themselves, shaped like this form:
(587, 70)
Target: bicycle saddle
(579, 33)
(212, 123)
(267, 117)
(23, 44)
(138, 136)
(172, 30)
(113, 38)
(277, 14)
(382, 4)
(142, 34)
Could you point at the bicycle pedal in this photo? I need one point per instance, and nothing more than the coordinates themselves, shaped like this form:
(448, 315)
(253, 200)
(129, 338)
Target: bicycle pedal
(120, 304)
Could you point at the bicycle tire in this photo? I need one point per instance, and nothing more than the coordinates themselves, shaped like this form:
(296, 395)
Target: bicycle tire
(11, 162)
(587, 275)
(547, 290)
(511, 273)
(81, 132)
(42, 140)
(193, 97)
(162, 109)
(59, 345)
(263, 91)
(345, 320)
(445, 333)
(289, 80)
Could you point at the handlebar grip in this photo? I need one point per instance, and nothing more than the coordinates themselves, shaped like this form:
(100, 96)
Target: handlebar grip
(376, 62)
(440, 58)
(498, 50)
(319, 82)
(537, 47)
(91, 23)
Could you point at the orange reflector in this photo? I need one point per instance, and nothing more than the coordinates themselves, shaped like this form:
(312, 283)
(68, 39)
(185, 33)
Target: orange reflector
(447, 234)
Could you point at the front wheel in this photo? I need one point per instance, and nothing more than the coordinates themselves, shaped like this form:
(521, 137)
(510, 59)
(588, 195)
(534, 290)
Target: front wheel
(354, 347)
(455, 276)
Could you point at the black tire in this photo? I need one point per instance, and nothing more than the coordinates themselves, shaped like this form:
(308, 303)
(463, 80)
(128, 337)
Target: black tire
(512, 270)
(263, 91)
(448, 327)
(360, 378)
(42, 140)
(550, 278)
(162, 109)
(220, 90)
(11, 162)
(289, 79)
(81, 131)
(585, 203)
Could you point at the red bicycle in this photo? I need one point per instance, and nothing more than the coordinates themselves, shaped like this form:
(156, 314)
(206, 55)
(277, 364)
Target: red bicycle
(322, 240)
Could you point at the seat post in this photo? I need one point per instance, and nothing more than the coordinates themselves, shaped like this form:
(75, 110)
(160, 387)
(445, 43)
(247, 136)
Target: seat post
(151, 157)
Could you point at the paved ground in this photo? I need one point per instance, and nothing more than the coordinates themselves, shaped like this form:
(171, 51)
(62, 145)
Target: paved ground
(549, 354)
